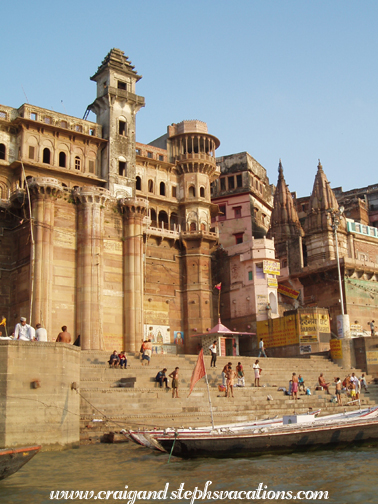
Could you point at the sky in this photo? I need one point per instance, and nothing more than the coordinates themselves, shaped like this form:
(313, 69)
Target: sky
(281, 79)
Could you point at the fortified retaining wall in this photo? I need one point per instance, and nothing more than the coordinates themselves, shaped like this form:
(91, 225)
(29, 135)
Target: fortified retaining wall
(38, 400)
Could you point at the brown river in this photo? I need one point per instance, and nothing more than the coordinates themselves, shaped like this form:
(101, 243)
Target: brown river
(130, 472)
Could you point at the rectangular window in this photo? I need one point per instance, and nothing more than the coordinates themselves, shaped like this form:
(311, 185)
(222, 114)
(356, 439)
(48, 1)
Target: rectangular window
(161, 158)
(222, 213)
(31, 152)
(48, 120)
(239, 181)
(3, 115)
(237, 212)
(173, 191)
(33, 116)
(122, 168)
(223, 183)
(250, 275)
(63, 124)
(91, 166)
(149, 155)
(122, 85)
(78, 128)
(138, 152)
(238, 238)
(92, 131)
(122, 128)
(231, 183)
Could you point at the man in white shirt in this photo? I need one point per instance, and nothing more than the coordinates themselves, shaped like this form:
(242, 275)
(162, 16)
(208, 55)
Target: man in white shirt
(40, 333)
(261, 348)
(24, 331)
(213, 351)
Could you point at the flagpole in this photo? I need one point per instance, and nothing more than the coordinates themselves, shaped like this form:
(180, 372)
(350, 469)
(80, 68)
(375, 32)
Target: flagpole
(210, 405)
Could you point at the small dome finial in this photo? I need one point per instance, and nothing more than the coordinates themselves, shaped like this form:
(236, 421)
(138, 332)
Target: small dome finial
(320, 167)
(280, 169)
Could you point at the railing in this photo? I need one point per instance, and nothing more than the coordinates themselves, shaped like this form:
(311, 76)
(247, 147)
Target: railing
(356, 227)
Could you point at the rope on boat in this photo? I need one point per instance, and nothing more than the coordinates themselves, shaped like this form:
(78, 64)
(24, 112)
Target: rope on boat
(173, 445)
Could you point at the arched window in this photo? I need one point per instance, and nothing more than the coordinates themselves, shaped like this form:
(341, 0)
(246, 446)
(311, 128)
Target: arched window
(163, 219)
(151, 186)
(46, 156)
(202, 192)
(203, 226)
(192, 191)
(122, 127)
(2, 151)
(138, 185)
(62, 159)
(174, 221)
(153, 217)
(162, 189)
(77, 163)
(193, 226)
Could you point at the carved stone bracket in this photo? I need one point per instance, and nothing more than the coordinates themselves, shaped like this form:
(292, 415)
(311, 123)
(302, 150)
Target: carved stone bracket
(46, 186)
(92, 195)
(133, 206)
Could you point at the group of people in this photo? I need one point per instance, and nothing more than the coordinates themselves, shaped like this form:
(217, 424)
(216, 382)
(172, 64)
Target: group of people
(229, 376)
(25, 332)
(161, 378)
(351, 385)
(295, 385)
(118, 360)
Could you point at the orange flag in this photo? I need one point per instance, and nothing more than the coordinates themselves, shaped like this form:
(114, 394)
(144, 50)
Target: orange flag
(198, 372)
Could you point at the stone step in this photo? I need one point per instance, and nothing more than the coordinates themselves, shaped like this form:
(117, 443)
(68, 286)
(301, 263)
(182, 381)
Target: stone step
(190, 419)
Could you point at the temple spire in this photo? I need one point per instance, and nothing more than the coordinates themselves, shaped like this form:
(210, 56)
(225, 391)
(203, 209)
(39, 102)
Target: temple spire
(322, 199)
(285, 223)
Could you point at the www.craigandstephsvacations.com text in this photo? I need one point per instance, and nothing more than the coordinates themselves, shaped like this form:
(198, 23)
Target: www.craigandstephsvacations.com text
(192, 496)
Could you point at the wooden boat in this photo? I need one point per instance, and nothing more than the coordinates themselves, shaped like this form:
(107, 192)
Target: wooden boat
(143, 437)
(147, 438)
(323, 432)
(12, 459)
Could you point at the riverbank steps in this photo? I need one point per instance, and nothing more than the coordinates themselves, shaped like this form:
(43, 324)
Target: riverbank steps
(113, 399)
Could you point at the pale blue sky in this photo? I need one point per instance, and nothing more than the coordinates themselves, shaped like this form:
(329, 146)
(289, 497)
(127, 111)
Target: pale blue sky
(295, 80)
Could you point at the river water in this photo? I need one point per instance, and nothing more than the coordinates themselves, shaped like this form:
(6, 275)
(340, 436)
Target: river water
(349, 475)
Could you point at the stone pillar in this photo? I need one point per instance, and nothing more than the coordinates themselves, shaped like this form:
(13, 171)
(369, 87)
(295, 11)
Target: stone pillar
(90, 225)
(43, 193)
(134, 210)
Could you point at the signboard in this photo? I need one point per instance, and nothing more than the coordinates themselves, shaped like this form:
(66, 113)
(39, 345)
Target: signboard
(262, 302)
(278, 332)
(308, 324)
(336, 349)
(305, 349)
(158, 334)
(307, 338)
(272, 267)
(287, 291)
(324, 326)
(371, 358)
(272, 282)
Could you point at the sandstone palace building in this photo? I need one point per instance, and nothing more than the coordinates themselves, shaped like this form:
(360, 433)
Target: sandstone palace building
(105, 235)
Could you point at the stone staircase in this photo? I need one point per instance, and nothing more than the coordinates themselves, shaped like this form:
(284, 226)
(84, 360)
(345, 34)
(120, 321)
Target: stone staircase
(106, 405)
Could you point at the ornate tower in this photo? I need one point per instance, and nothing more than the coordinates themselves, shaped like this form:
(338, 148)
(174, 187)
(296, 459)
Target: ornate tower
(192, 149)
(285, 227)
(320, 240)
(116, 106)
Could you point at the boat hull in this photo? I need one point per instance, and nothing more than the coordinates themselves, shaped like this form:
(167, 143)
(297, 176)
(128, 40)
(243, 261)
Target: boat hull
(11, 460)
(285, 440)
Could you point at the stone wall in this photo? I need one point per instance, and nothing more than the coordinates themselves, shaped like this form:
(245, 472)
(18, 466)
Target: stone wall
(48, 414)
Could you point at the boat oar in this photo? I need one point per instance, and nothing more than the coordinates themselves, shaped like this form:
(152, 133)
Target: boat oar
(173, 445)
